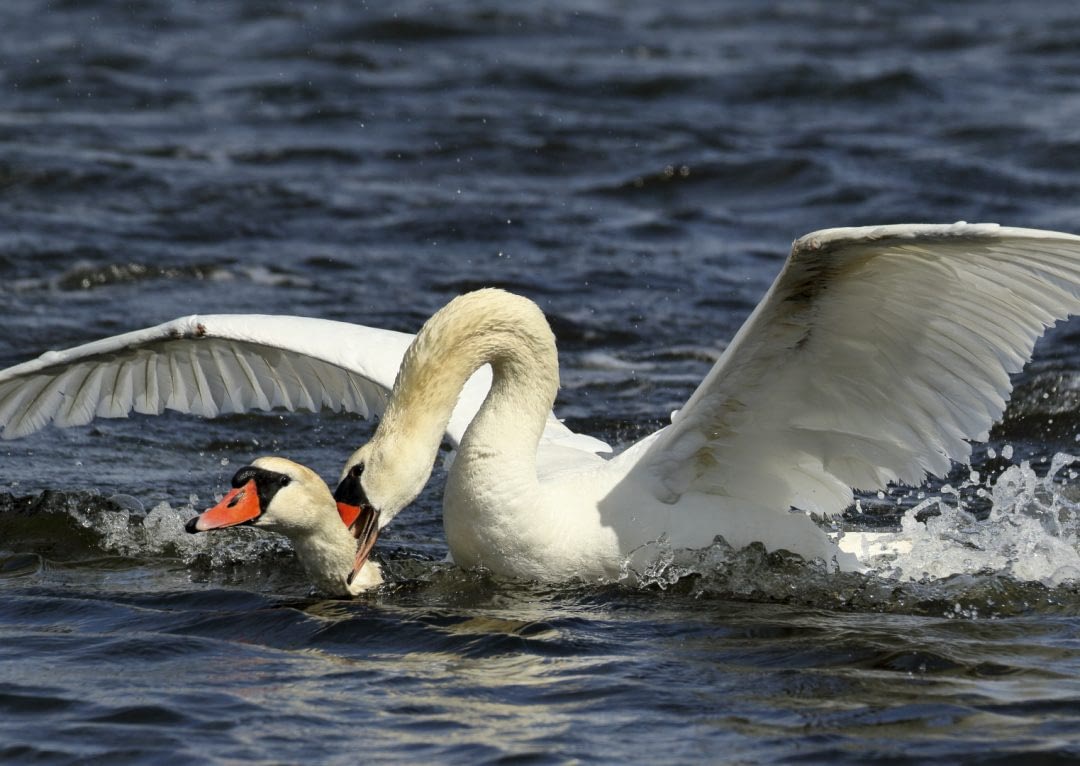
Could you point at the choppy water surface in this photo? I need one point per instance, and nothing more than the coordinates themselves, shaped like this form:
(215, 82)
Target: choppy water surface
(637, 168)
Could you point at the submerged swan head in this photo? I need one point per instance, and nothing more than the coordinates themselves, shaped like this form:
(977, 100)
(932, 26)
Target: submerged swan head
(281, 496)
(274, 494)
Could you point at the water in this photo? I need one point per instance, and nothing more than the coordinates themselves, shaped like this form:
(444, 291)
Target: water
(639, 169)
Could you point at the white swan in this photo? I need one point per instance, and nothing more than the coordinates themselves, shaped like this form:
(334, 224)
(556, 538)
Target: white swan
(281, 496)
(875, 356)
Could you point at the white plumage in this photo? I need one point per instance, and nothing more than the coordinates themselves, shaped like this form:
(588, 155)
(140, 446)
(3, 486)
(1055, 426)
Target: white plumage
(219, 364)
(877, 355)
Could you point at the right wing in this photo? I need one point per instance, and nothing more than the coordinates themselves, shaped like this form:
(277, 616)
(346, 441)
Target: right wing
(208, 365)
(227, 363)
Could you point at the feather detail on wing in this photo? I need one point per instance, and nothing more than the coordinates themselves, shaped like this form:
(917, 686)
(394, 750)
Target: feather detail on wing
(205, 365)
(227, 363)
(875, 357)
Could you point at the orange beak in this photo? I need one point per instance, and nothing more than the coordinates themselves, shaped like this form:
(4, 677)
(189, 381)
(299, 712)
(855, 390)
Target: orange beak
(359, 516)
(238, 506)
(348, 513)
(365, 529)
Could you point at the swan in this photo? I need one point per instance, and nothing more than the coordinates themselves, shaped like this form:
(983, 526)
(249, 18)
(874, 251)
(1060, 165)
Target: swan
(281, 496)
(876, 357)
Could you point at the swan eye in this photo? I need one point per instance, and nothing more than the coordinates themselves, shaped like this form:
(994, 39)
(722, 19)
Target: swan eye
(284, 480)
(350, 490)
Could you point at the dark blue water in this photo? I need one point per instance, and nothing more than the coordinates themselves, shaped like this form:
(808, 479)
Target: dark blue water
(639, 169)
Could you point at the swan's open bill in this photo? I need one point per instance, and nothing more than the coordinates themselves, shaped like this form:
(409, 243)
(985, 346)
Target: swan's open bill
(359, 516)
(366, 531)
(281, 496)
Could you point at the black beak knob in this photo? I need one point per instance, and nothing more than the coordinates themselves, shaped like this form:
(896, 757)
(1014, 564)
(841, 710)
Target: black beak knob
(350, 491)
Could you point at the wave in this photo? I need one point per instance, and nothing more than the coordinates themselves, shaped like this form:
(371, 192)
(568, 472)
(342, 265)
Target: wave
(83, 528)
(948, 557)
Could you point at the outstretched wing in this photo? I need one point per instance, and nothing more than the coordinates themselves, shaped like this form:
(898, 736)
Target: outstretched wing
(227, 363)
(206, 365)
(875, 356)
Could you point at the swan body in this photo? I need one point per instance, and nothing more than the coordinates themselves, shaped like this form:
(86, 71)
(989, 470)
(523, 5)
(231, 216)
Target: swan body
(292, 500)
(877, 356)
(523, 508)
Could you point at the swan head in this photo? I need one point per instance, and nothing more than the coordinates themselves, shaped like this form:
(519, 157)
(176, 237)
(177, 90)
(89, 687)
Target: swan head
(383, 482)
(281, 496)
(376, 485)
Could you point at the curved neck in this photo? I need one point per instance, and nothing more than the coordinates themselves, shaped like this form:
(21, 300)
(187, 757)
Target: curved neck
(484, 327)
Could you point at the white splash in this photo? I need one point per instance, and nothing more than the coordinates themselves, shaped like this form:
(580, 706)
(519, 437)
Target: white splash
(1032, 532)
(160, 532)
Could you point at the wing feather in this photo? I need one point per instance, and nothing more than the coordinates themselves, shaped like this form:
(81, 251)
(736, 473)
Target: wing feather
(74, 380)
(206, 365)
(252, 381)
(877, 356)
(216, 364)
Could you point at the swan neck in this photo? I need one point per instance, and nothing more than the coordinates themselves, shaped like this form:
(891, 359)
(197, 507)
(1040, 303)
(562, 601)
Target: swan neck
(484, 327)
(326, 552)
